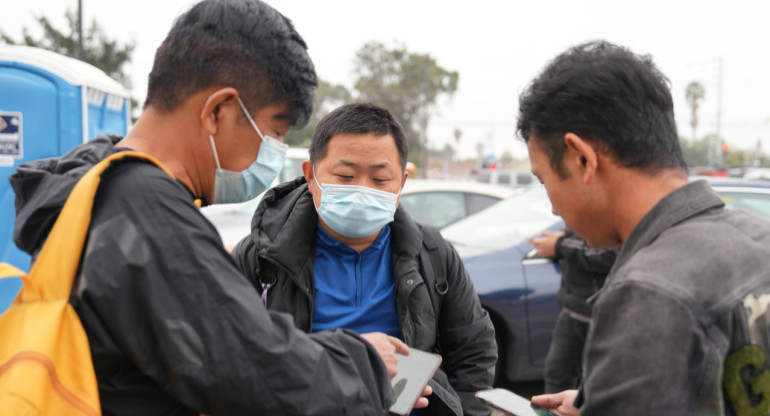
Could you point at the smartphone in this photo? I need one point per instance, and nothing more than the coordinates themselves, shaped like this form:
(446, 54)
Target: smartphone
(412, 375)
(511, 403)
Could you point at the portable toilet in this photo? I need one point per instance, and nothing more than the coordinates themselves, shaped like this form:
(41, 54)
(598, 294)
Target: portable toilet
(49, 103)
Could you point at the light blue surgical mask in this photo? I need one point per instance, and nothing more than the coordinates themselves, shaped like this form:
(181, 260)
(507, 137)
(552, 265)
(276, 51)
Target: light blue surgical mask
(230, 186)
(355, 211)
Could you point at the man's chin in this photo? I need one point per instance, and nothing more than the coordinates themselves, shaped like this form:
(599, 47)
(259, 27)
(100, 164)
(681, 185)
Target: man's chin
(599, 242)
(602, 244)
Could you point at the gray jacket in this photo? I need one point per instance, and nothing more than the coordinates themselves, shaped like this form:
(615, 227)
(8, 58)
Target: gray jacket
(280, 251)
(680, 327)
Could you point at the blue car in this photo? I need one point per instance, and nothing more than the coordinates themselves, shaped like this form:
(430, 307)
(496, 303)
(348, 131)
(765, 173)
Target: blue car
(518, 288)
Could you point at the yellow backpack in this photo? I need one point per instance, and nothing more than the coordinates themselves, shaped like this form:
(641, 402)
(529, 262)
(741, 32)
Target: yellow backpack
(45, 359)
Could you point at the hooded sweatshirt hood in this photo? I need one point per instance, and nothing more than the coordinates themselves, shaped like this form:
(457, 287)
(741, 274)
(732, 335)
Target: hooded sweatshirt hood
(42, 187)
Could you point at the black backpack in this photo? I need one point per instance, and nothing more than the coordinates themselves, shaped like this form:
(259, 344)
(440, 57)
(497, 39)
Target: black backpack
(433, 257)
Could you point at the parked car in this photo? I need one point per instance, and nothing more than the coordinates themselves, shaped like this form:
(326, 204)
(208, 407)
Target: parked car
(512, 178)
(518, 288)
(441, 202)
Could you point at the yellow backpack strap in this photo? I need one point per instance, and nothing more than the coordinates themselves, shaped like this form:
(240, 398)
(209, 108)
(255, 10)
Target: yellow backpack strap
(53, 273)
(6, 270)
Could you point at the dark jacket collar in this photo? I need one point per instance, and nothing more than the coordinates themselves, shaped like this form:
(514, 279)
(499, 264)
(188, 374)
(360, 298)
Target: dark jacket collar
(681, 204)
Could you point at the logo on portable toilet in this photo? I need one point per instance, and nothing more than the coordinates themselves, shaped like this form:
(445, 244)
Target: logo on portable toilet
(11, 146)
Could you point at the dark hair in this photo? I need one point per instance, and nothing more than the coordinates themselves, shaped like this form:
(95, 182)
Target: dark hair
(607, 94)
(358, 118)
(244, 44)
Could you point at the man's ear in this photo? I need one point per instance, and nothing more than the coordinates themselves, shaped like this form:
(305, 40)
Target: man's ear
(307, 170)
(582, 153)
(210, 113)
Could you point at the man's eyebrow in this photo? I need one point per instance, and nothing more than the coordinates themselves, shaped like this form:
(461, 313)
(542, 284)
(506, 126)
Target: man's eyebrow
(344, 162)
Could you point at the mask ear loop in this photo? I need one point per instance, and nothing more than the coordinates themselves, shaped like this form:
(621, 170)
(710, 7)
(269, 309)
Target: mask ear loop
(251, 120)
(315, 179)
(214, 148)
(319, 186)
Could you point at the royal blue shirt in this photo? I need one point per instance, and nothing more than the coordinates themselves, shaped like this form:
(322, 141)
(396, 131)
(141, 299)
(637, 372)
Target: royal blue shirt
(354, 290)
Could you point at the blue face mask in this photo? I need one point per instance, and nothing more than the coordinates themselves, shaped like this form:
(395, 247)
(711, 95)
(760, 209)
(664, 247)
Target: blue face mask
(355, 211)
(230, 186)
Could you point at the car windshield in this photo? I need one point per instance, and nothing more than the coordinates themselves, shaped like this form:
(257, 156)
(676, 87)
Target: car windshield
(505, 223)
(754, 202)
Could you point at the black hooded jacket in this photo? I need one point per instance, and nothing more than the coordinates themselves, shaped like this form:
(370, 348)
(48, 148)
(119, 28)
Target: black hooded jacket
(281, 250)
(174, 327)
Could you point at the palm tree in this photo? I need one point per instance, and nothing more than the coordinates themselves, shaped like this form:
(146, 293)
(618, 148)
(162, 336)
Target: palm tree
(694, 93)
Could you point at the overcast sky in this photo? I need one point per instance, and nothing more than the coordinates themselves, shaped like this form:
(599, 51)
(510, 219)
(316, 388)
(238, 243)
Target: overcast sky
(497, 47)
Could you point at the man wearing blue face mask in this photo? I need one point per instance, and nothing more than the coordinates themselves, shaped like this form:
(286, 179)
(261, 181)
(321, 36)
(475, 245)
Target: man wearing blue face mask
(333, 249)
(174, 327)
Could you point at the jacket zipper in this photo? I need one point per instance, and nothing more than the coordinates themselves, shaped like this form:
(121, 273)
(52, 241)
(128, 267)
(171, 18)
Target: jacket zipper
(358, 275)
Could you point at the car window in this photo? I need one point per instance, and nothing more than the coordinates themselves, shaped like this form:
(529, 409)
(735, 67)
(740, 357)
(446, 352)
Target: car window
(505, 223)
(435, 208)
(755, 203)
(476, 202)
(483, 177)
(504, 179)
(523, 179)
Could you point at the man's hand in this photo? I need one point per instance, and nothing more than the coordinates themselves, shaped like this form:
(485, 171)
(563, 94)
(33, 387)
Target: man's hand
(387, 347)
(423, 401)
(546, 244)
(559, 403)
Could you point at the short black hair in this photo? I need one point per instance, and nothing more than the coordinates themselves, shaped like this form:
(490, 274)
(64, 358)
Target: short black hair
(360, 118)
(244, 44)
(609, 95)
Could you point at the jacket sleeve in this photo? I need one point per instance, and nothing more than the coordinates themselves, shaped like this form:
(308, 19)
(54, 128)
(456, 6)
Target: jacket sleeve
(581, 256)
(466, 336)
(245, 256)
(156, 276)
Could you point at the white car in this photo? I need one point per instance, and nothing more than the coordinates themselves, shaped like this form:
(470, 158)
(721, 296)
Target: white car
(512, 178)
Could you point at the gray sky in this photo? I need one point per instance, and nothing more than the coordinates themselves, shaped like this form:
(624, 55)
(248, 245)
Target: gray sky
(497, 47)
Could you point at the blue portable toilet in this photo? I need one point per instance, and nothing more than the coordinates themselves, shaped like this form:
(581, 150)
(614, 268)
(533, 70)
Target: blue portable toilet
(49, 103)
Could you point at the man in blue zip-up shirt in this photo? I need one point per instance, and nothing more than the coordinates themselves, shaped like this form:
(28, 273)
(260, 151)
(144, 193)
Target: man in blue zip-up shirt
(333, 249)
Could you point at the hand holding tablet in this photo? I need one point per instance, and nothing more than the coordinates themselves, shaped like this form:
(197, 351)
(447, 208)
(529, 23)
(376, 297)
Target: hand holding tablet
(414, 372)
(510, 403)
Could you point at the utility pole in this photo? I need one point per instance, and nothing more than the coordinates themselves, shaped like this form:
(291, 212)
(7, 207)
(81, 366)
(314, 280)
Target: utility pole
(80, 29)
(718, 145)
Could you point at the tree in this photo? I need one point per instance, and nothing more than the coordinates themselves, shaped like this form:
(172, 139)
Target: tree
(406, 83)
(735, 158)
(694, 93)
(326, 98)
(99, 50)
(696, 152)
(506, 159)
